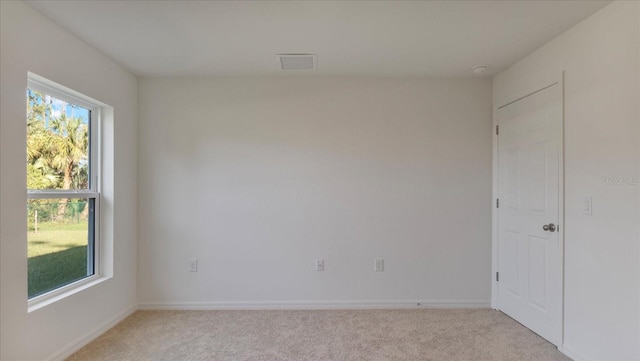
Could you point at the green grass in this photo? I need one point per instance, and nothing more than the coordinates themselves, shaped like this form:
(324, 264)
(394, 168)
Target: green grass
(57, 255)
(54, 237)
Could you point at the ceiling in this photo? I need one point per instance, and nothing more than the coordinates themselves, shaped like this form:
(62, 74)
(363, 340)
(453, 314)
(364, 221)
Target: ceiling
(351, 38)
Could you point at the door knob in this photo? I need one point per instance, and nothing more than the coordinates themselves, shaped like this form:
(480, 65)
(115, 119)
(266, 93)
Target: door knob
(549, 227)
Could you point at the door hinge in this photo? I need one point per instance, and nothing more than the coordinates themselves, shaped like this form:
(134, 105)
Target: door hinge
(497, 202)
(497, 276)
(497, 130)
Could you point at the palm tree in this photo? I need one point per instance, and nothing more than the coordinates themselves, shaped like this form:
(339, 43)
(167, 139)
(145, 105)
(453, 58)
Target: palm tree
(70, 145)
(40, 173)
(57, 148)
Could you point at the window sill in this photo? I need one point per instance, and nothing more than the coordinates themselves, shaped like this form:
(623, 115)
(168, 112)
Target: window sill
(56, 295)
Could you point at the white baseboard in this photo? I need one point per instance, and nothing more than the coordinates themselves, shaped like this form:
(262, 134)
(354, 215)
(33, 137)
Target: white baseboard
(568, 351)
(310, 305)
(84, 340)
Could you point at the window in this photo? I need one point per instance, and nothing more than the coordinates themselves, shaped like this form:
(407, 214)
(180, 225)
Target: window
(63, 189)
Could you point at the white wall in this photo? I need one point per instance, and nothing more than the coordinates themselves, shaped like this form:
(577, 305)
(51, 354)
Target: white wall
(602, 284)
(30, 42)
(258, 178)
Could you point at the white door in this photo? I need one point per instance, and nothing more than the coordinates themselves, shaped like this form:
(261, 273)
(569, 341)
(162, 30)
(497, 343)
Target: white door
(530, 249)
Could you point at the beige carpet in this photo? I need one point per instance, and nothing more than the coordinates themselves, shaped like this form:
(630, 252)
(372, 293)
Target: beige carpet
(320, 335)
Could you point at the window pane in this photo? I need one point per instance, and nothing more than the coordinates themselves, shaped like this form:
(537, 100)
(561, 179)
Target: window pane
(60, 242)
(57, 143)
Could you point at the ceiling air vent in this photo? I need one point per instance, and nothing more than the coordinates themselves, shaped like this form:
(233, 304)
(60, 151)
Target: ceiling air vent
(297, 61)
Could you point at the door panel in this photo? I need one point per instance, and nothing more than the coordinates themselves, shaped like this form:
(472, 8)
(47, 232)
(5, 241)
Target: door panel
(512, 273)
(537, 271)
(529, 257)
(538, 177)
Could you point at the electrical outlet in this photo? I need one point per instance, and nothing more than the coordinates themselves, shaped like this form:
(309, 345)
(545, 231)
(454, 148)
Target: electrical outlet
(587, 206)
(319, 265)
(193, 265)
(379, 265)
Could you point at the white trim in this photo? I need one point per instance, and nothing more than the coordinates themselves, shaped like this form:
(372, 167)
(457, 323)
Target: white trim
(528, 95)
(95, 124)
(494, 210)
(82, 341)
(561, 211)
(568, 351)
(54, 89)
(312, 305)
(65, 291)
(61, 193)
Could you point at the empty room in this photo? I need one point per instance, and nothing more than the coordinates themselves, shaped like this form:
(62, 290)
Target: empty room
(319, 180)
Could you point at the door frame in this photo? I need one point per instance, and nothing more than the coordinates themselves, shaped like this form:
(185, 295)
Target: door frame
(521, 93)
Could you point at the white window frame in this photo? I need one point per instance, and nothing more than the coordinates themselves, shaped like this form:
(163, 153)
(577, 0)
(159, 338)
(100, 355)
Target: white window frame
(55, 90)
